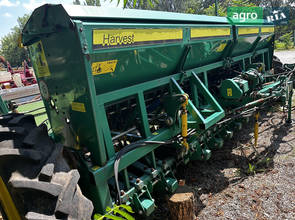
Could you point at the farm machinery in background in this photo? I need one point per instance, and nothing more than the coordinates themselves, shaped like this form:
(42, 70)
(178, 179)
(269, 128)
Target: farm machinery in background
(130, 95)
(15, 77)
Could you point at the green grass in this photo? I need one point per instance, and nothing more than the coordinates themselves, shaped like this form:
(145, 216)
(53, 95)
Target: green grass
(31, 106)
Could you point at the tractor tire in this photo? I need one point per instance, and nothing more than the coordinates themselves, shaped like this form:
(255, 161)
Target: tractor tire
(277, 65)
(35, 173)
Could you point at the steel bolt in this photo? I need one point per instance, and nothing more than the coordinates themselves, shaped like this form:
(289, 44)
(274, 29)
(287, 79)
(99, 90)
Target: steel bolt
(169, 121)
(122, 193)
(81, 29)
(137, 180)
(181, 182)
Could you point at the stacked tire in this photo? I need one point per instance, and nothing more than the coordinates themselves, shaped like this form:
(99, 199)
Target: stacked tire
(35, 173)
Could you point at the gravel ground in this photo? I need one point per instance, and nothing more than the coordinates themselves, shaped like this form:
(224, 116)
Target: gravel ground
(286, 56)
(226, 187)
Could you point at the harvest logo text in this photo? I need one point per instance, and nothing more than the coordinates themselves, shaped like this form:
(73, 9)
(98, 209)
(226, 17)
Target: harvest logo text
(112, 40)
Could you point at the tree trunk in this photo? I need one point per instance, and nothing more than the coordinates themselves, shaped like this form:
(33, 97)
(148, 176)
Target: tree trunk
(182, 204)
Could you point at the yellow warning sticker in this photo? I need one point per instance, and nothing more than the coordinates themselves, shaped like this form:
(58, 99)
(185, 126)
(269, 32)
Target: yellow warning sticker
(78, 107)
(229, 92)
(104, 67)
(39, 60)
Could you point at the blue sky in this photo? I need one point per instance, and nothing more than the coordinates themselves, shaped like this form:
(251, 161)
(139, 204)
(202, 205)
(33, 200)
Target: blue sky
(10, 10)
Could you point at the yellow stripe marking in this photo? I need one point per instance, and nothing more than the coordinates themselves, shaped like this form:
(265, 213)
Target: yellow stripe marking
(267, 29)
(7, 203)
(244, 31)
(209, 32)
(126, 37)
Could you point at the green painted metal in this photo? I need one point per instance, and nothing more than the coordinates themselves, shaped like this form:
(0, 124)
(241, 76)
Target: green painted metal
(230, 89)
(111, 78)
(3, 107)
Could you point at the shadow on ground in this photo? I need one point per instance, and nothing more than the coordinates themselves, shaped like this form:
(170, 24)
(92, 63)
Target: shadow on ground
(230, 165)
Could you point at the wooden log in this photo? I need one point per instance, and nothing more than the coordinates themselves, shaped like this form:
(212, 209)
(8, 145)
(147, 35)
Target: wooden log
(182, 204)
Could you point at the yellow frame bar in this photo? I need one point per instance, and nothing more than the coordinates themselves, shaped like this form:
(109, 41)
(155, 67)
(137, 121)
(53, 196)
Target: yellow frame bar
(7, 203)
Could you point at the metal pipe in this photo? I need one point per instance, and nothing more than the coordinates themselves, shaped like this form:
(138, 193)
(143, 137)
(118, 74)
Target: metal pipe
(123, 133)
(130, 135)
(290, 95)
(28, 102)
(252, 103)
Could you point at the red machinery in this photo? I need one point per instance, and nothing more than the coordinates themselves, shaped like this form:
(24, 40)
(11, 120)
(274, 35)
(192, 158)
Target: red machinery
(26, 75)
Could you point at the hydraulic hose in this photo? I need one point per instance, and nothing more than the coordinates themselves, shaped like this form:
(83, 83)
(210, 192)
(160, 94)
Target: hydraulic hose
(124, 151)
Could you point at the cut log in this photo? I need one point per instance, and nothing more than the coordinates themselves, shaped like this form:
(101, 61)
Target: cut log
(182, 204)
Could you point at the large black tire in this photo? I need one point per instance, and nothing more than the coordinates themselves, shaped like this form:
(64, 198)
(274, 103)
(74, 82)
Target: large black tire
(35, 173)
(277, 65)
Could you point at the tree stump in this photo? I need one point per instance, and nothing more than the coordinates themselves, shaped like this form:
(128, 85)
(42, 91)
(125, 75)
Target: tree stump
(182, 204)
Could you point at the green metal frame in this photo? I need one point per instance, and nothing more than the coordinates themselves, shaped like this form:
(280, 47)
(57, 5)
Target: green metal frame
(140, 69)
(3, 107)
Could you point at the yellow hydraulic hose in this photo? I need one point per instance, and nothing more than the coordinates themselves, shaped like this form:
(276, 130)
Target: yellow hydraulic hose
(256, 129)
(184, 122)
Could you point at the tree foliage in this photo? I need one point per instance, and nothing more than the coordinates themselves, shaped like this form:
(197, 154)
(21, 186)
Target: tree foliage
(184, 6)
(9, 44)
(120, 212)
(87, 2)
(188, 6)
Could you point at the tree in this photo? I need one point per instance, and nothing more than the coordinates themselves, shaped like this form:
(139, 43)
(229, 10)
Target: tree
(160, 5)
(189, 6)
(87, 2)
(10, 44)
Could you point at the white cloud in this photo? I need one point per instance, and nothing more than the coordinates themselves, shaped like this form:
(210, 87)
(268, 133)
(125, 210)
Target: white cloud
(8, 15)
(32, 4)
(8, 3)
